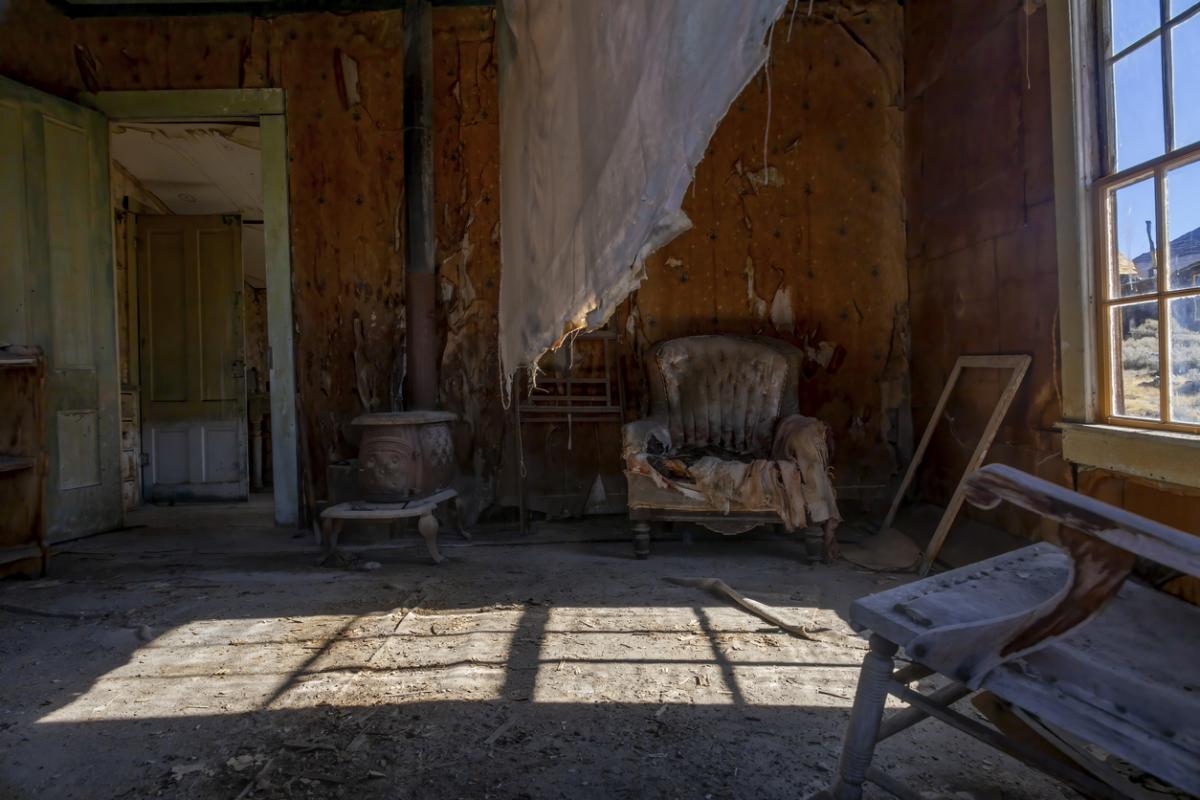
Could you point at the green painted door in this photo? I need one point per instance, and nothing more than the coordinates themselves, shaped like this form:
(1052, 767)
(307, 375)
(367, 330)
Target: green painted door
(192, 357)
(57, 291)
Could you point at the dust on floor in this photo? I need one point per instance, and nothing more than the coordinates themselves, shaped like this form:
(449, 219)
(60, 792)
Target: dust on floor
(207, 657)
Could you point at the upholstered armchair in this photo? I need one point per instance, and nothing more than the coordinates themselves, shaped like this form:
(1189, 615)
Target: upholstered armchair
(724, 445)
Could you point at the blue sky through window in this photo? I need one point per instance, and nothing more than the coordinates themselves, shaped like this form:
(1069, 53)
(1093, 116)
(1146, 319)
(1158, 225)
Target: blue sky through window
(1131, 20)
(1140, 132)
(1185, 52)
(1137, 86)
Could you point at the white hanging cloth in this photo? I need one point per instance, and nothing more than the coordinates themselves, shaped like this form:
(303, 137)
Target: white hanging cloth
(606, 107)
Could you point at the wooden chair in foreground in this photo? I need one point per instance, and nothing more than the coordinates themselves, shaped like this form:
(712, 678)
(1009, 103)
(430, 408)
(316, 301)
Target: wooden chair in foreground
(1058, 638)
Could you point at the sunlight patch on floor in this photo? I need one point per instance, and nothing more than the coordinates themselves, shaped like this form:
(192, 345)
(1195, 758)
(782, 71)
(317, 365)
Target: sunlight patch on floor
(710, 655)
(702, 654)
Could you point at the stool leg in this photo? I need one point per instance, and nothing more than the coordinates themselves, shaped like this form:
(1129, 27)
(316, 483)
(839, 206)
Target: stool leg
(428, 526)
(859, 745)
(330, 529)
(456, 519)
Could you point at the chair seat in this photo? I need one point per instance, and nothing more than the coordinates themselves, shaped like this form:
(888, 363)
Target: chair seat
(1126, 681)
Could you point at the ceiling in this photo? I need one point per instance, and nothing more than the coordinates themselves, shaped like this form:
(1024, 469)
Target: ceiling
(125, 8)
(201, 168)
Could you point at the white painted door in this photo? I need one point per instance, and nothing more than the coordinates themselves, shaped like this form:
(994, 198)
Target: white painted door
(192, 358)
(57, 292)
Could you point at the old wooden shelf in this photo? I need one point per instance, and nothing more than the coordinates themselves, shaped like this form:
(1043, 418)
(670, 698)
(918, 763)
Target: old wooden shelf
(23, 459)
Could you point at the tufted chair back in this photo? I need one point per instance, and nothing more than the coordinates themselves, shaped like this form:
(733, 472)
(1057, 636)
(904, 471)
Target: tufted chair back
(723, 391)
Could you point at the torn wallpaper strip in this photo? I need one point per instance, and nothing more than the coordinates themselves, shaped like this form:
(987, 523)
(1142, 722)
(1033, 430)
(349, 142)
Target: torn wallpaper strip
(605, 111)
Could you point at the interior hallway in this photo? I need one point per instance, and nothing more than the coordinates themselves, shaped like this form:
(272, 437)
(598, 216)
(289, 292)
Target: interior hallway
(205, 653)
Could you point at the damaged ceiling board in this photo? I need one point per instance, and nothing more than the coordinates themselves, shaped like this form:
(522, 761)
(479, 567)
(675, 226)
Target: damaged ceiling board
(606, 109)
(201, 168)
(195, 168)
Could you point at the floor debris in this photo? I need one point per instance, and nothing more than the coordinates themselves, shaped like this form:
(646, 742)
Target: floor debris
(518, 672)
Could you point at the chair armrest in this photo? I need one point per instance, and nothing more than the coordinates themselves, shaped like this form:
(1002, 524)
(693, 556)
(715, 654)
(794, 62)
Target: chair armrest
(1120, 528)
(1102, 541)
(802, 439)
(645, 436)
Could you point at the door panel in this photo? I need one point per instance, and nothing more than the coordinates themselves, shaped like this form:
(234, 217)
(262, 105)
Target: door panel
(56, 251)
(165, 362)
(79, 448)
(13, 260)
(70, 268)
(221, 342)
(194, 410)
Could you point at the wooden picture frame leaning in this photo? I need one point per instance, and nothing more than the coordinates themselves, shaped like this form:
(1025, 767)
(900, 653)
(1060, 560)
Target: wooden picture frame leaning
(1019, 364)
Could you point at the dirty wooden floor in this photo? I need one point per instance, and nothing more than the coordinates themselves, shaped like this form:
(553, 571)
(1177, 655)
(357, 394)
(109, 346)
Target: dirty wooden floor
(205, 656)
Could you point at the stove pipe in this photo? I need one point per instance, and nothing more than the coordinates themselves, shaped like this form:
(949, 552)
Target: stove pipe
(421, 389)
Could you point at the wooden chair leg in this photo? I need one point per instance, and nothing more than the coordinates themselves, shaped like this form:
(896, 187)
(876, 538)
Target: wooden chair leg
(641, 539)
(858, 747)
(813, 550)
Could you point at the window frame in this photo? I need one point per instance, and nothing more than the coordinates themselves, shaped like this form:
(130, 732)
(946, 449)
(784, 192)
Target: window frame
(1101, 192)
(1088, 441)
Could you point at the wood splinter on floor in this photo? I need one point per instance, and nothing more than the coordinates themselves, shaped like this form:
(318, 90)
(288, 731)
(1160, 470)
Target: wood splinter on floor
(500, 731)
(764, 612)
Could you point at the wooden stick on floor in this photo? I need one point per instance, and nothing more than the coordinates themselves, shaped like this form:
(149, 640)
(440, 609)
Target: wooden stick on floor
(765, 612)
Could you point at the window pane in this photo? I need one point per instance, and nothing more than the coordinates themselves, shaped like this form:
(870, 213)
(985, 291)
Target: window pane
(1179, 6)
(1185, 359)
(1183, 225)
(1137, 87)
(1185, 88)
(1135, 362)
(1131, 20)
(1136, 226)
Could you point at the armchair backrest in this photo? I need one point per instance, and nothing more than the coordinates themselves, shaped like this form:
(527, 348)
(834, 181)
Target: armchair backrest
(727, 391)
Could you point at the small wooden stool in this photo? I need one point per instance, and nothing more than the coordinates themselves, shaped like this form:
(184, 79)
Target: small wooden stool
(334, 517)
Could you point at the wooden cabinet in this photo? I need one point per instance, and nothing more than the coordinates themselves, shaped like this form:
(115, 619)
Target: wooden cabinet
(23, 459)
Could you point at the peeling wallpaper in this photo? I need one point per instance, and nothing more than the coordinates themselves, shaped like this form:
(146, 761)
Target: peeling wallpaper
(808, 246)
(798, 228)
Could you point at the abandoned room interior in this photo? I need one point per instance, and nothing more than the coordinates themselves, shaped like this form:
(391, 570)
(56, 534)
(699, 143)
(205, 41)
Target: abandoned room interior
(648, 398)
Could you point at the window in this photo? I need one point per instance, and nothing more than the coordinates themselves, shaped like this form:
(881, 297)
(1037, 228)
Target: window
(1148, 210)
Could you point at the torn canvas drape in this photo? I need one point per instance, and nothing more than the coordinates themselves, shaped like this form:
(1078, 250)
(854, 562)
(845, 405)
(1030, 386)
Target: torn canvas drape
(606, 108)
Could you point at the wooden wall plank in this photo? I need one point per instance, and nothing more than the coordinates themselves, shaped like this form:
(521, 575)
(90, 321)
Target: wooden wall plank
(981, 248)
(809, 248)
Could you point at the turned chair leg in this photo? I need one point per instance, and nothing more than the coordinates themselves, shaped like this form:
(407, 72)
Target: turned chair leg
(813, 545)
(641, 539)
(858, 747)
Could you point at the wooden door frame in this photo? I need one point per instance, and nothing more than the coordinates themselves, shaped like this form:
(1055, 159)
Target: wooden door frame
(268, 106)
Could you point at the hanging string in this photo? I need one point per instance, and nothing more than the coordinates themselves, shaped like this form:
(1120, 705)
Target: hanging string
(767, 127)
(792, 18)
(1029, 9)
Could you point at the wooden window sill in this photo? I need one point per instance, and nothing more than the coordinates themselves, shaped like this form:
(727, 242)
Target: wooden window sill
(1159, 455)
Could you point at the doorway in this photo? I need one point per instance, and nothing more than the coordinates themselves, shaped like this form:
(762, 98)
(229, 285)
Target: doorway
(191, 310)
(199, 184)
(57, 262)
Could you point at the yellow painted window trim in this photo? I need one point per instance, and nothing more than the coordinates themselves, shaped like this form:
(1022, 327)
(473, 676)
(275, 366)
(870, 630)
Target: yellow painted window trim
(1152, 453)
(1159, 455)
